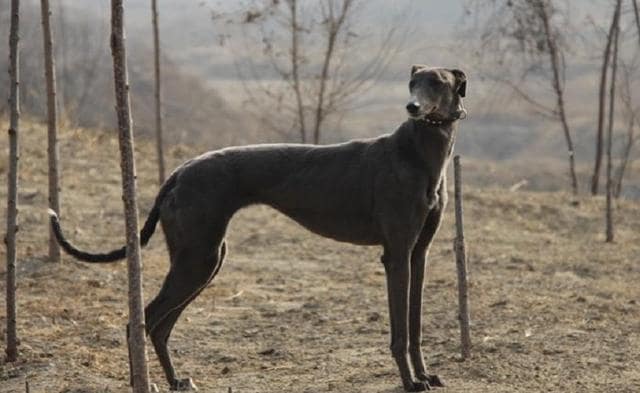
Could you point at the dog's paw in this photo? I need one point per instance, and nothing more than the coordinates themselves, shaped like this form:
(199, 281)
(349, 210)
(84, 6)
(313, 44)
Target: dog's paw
(432, 379)
(419, 386)
(183, 385)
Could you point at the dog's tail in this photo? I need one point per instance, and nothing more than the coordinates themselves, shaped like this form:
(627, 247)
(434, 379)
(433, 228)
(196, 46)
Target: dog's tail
(114, 255)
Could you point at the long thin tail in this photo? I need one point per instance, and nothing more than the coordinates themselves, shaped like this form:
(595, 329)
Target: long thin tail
(114, 255)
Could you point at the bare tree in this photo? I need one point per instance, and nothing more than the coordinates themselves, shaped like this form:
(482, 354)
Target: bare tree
(595, 178)
(52, 124)
(334, 17)
(524, 35)
(543, 8)
(612, 100)
(309, 49)
(136, 328)
(295, 65)
(63, 48)
(636, 13)
(632, 115)
(158, 92)
(12, 193)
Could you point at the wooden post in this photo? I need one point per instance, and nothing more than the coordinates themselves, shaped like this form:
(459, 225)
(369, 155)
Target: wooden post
(136, 329)
(12, 192)
(158, 92)
(52, 127)
(461, 264)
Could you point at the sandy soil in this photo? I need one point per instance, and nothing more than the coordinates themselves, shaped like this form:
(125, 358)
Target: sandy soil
(554, 308)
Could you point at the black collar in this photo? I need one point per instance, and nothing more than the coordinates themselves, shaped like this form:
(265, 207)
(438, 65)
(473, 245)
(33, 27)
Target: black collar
(437, 120)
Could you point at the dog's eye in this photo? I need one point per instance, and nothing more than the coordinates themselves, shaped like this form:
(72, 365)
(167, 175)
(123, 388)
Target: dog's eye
(412, 84)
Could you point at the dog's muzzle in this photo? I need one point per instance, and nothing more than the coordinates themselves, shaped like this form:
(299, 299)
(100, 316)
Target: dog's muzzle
(413, 107)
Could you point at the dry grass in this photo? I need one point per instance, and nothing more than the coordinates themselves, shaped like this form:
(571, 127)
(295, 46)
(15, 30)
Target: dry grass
(553, 307)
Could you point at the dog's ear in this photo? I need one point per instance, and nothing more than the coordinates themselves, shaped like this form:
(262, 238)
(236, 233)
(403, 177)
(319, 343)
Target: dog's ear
(461, 82)
(415, 68)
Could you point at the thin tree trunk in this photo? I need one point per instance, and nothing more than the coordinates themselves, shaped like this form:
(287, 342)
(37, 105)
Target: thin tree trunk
(612, 100)
(323, 86)
(334, 26)
(557, 86)
(625, 158)
(637, 17)
(158, 92)
(295, 60)
(52, 124)
(136, 329)
(461, 264)
(63, 92)
(12, 192)
(595, 178)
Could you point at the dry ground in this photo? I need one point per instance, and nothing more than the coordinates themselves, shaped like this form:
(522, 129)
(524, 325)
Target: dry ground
(554, 308)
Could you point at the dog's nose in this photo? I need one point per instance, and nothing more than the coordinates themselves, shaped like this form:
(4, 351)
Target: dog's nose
(413, 107)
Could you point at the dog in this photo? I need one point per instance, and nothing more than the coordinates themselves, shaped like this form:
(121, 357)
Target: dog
(389, 191)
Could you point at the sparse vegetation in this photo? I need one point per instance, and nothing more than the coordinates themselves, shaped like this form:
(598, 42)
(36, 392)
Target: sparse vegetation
(310, 48)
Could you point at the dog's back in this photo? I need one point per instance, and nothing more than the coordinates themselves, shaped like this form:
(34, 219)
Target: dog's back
(327, 189)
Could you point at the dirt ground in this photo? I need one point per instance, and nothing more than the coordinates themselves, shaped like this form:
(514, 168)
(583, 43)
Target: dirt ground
(554, 308)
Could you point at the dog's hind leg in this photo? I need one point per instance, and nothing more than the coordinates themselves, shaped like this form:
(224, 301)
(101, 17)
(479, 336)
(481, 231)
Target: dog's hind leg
(194, 241)
(161, 332)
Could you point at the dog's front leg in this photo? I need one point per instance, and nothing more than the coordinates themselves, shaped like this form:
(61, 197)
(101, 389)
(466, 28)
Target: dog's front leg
(418, 260)
(396, 265)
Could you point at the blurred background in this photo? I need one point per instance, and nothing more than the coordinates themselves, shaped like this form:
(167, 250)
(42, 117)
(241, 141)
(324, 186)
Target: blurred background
(231, 77)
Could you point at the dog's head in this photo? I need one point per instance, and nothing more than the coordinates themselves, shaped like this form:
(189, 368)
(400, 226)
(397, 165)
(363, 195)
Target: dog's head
(437, 93)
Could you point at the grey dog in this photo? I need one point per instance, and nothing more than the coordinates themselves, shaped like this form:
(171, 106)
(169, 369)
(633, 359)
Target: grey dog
(389, 191)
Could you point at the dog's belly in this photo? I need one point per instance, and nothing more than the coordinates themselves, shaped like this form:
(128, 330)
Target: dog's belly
(326, 189)
(341, 227)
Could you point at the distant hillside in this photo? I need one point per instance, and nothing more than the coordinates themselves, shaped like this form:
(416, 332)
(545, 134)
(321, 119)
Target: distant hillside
(192, 110)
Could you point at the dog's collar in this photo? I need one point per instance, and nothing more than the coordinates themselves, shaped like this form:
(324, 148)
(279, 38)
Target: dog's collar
(438, 120)
(435, 121)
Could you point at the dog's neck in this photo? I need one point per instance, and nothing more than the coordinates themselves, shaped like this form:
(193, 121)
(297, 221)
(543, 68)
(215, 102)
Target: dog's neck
(427, 145)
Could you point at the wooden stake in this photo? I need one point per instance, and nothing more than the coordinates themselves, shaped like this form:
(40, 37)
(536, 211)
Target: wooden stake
(52, 125)
(12, 192)
(461, 264)
(136, 329)
(158, 92)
